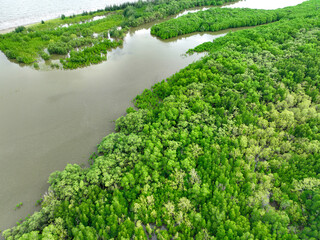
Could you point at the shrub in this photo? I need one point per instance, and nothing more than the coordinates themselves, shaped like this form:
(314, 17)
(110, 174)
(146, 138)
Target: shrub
(87, 32)
(36, 65)
(20, 29)
(20, 59)
(10, 54)
(45, 37)
(58, 48)
(65, 39)
(26, 38)
(44, 55)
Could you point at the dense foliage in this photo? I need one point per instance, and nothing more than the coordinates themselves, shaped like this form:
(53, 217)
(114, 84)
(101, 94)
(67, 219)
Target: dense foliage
(144, 12)
(61, 36)
(89, 55)
(216, 19)
(28, 45)
(227, 148)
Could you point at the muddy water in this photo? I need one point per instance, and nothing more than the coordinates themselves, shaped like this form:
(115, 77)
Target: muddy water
(49, 119)
(22, 12)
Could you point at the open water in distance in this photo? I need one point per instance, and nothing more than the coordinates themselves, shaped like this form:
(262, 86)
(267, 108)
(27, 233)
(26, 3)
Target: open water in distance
(14, 13)
(52, 118)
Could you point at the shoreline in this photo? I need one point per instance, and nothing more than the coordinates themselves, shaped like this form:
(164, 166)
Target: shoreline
(11, 29)
(69, 13)
(18, 50)
(8, 30)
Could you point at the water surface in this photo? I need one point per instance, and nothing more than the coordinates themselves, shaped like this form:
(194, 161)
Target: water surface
(14, 13)
(51, 118)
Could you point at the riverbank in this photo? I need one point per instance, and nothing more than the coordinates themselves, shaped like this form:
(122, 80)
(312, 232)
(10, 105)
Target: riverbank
(226, 148)
(61, 115)
(23, 12)
(58, 22)
(68, 37)
(8, 30)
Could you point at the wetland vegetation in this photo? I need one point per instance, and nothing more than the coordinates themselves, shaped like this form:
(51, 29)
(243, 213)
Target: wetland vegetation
(216, 19)
(227, 148)
(81, 40)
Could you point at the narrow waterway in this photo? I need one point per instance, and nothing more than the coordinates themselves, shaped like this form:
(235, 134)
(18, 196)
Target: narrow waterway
(52, 118)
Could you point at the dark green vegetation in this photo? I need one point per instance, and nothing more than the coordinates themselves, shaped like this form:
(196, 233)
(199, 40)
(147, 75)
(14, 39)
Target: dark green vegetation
(29, 45)
(79, 33)
(216, 19)
(228, 148)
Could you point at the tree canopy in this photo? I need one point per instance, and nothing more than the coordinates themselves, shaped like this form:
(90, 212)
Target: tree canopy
(82, 40)
(216, 19)
(227, 148)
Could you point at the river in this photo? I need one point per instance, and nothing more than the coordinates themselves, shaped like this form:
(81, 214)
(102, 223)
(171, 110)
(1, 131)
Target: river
(51, 118)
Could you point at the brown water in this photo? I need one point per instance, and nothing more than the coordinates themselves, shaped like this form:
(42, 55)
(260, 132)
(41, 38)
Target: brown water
(49, 119)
